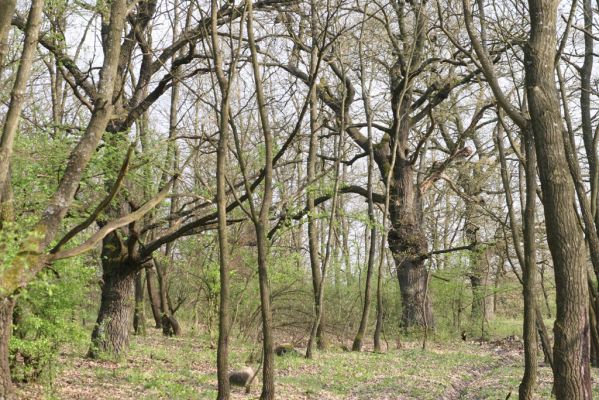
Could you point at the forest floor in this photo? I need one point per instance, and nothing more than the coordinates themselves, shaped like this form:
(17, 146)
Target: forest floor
(184, 368)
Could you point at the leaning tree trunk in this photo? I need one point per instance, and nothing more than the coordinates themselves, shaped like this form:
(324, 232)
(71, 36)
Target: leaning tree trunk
(6, 308)
(9, 131)
(111, 332)
(408, 245)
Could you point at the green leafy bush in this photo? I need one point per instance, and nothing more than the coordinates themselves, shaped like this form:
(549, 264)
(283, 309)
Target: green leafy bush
(48, 316)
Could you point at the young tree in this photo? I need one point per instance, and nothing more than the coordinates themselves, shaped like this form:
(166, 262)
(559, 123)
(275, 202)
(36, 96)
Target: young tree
(224, 84)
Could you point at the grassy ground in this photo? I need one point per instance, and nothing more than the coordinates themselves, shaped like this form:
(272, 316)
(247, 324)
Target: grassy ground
(184, 368)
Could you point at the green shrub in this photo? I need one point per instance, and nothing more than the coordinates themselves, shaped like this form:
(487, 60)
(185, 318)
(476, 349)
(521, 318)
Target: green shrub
(47, 318)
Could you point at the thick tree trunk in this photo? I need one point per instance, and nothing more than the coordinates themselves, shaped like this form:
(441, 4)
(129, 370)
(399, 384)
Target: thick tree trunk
(572, 376)
(416, 309)
(408, 244)
(6, 308)
(111, 332)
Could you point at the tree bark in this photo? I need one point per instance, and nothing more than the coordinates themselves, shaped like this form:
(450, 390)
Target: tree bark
(407, 240)
(17, 96)
(572, 342)
(357, 345)
(222, 353)
(315, 262)
(111, 332)
(170, 326)
(262, 222)
(6, 308)
(529, 275)
(153, 296)
(7, 10)
(594, 322)
(408, 243)
(139, 316)
(30, 259)
(9, 131)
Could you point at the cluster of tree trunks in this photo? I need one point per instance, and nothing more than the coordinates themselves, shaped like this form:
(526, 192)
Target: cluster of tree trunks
(543, 135)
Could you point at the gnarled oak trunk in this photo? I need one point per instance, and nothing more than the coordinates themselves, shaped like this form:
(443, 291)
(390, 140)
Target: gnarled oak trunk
(111, 332)
(408, 245)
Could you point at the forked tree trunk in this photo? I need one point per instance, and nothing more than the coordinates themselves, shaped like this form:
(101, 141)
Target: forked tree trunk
(357, 345)
(170, 326)
(6, 308)
(261, 224)
(590, 144)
